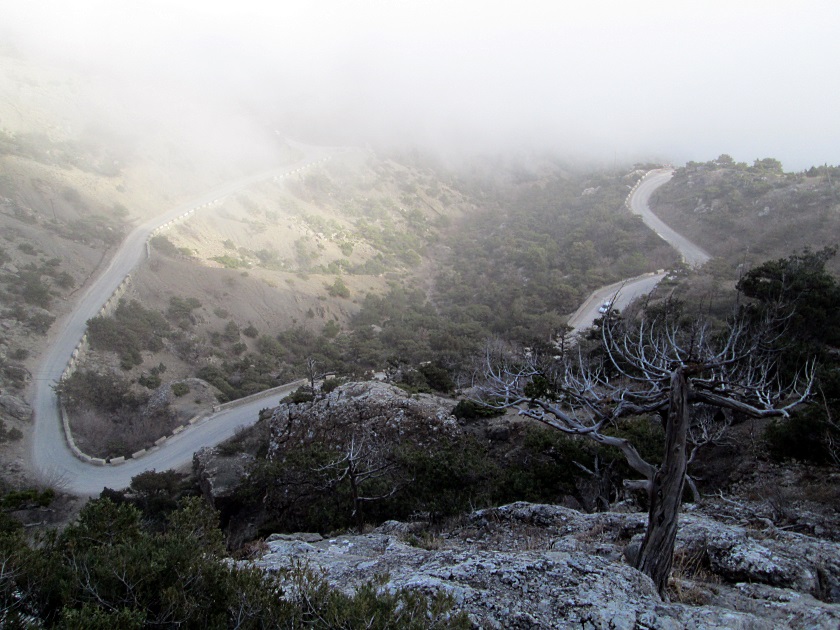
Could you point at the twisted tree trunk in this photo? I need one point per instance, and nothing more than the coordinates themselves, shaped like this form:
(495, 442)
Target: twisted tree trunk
(657, 552)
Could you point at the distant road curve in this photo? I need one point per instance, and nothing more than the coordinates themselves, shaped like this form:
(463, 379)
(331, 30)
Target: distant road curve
(626, 291)
(693, 255)
(51, 457)
(619, 293)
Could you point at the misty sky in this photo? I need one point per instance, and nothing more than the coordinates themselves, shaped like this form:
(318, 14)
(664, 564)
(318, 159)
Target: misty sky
(626, 80)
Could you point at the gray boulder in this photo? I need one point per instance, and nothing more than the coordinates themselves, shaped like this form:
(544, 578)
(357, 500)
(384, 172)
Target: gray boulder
(15, 407)
(219, 475)
(771, 557)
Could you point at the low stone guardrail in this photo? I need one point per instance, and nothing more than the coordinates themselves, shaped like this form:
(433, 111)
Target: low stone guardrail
(636, 186)
(204, 415)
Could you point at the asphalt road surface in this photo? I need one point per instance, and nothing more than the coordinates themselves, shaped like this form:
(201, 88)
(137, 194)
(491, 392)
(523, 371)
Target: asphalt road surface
(620, 294)
(693, 255)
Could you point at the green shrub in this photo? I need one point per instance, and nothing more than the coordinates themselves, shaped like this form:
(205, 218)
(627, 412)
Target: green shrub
(20, 499)
(33, 290)
(19, 354)
(115, 568)
(180, 310)
(107, 392)
(229, 262)
(413, 382)
(71, 194)
(149, 381)
(216, 378)
(163, 245)
(804, 437)
(437, 377)
(331, 384)
(231, 332)
(65, 280)
(40, 322)
(302, 394)
(471, 410)
(331, 329)
(132, 329)
(338, 289)
(180, 389)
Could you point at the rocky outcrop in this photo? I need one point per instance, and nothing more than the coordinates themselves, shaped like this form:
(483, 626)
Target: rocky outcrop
(220, 475)
(314, 451)
(15, 407)
(500, 589)
(772, 557)
(380, 414)
(543, 566)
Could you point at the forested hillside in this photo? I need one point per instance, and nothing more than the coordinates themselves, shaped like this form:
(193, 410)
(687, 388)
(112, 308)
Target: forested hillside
(365, 264)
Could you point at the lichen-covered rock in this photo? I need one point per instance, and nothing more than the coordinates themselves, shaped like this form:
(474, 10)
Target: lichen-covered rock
(776, 558)
(543, 566)
(499, 589)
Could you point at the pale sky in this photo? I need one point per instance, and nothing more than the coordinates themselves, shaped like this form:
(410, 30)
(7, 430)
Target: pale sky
(631, 80)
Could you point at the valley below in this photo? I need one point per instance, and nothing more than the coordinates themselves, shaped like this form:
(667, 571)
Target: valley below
(300, 385)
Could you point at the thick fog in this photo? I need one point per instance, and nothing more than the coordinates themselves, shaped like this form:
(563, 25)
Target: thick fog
(609, 80)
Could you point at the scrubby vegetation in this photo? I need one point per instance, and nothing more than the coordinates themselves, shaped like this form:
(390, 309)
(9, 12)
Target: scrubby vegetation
(752, 213)
(809, 297)
(110, 569)
(303, 492)
(108, 416)
(538, 240)
(535, 244)
(541, 465)
(132, 329)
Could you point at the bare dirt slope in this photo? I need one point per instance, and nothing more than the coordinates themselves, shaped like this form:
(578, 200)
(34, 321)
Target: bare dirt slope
(269, 256)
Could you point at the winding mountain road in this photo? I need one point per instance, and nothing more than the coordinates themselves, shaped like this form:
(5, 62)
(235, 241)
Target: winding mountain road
(693, 255)
(56, 464)
(51, 457)
(623, 292)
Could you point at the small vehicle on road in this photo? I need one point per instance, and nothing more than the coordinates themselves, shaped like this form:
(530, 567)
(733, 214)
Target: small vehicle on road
(605, 306)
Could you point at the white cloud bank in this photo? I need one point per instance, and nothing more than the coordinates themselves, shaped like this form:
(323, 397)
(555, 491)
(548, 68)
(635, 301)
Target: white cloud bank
(668, 80)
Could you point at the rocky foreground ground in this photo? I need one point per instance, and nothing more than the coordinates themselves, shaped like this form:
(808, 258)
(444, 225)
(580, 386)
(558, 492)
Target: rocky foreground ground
(764, 555)
(543, 566)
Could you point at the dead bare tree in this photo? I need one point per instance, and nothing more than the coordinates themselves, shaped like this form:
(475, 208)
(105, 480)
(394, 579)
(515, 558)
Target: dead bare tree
(362, 460)
(654, 367)
(311, 366)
